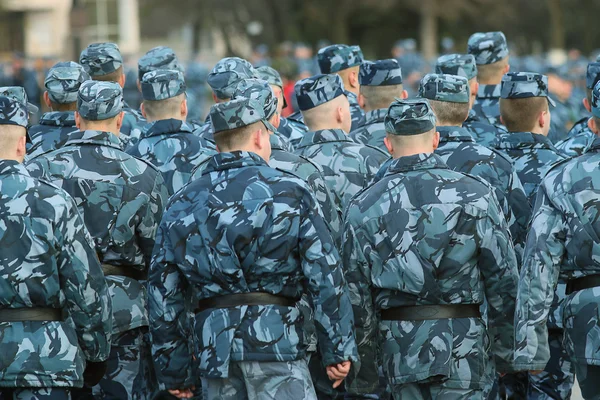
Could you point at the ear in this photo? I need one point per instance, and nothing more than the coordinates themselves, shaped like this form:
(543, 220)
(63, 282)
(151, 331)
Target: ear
(592, 125)
(276, 121)
(506, 69)
(502, 121)
(361, 100)
(184, 109)
(388, 145)
(77, 120)
(475, 87)
(122, 80)
(21, 148)
(120, 121)
(143, 110)
(587, 105)
(436, 141)
(47, 100)
(542, 119)
(215, 99)
(256, 138)
(353, 79)
(339, 115)
(404, 95)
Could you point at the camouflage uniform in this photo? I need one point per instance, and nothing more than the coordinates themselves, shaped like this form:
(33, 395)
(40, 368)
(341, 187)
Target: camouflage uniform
(347, 166)
(121, 199)
(488, 48)
(393, 233)
(260, 231)
(378, 73)
(170, 144)
(48, 262)
(336, 58)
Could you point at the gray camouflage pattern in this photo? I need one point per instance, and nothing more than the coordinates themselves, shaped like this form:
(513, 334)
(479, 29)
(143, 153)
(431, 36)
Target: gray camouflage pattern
(380, 73)
(270, 75)
(227, 73)
(51, 133)
(99, 100)
(592, 75)
(487, 104)
(63, 81)
(523, 85)
(319, 89)
(356, 112)
(409, 117)
(447, 88)
(373, 131)
(487, 47)
(161, 57)
(483, 132)
(162, 84)
(339, 57)
(101, 59)
(579, 139)
(18, 93)
(457, 64)
(237, 113)
(13, 112)
(294, 131)
(260, 91)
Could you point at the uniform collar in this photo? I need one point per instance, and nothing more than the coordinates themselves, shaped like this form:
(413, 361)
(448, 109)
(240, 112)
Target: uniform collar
(11, 167)
(489, 91)
(58, 118)
(166, 126)
(524, 139)
(595, 144)
(416, 162)
(454, 134)
(277, 143)
(324, 136)
(375, 116)
(235, 159)
(97, 138)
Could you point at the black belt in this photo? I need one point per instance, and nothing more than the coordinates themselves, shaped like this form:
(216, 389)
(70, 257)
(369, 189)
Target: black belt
(31, 314)
(130, 272)
(422, 313)
(245, 299)
(585, 282)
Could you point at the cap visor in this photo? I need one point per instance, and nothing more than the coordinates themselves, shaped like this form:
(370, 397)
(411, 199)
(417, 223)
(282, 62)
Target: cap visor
(33, 109)
(269, 126)
(552, 103)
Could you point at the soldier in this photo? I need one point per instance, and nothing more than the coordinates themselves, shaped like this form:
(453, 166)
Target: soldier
(563, 244)
(104, 62)
(449, 96)
(380, 84)
(260, 238)
(345, 61)
(422, 249)
(168, 142)
(580, 137)
(464, 65)
(62, 84)
(347, 166)
(491, 55)
(121, 199)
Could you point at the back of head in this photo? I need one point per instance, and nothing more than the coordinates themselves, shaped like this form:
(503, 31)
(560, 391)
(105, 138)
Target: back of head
(62, 85)
(259, 90)
(380, 83)
(13, 128)
(161, 57)
(490, 50)
(410, 127)
(338, 57)
(103, 62)
(163, 92)
(457, 64)
(318, 99)
(99, 104)
(449, 97)
(524, 95)
(227, 73)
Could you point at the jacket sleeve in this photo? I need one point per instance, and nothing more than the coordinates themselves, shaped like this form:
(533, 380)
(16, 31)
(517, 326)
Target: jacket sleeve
(150, 217)
(520, 214)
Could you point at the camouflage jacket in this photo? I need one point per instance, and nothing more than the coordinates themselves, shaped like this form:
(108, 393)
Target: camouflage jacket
(348, 167)
(51, 133)
(373, 131)
(532, 155)
(261, 231)
(121, 200)
(561, 122)
(293, 131)
(483, 132)
(357, 113)
(487, 104)
(48, 261)
(425, 234)
(562, 243)
(578, 141)
(171, 146)
(460, 152)
(132, 119)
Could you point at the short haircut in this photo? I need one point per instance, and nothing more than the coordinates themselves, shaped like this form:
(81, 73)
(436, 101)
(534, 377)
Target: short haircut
(401, 141)
(63, 107)
(234, 139)
(377, 97)
(588, 95)
(90, 125)
(164, 109)
(112, 77)
(322, 114)
(520, 115)
(450, 113)
(487, 72)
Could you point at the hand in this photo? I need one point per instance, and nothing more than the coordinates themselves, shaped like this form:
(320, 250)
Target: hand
(337, 372)
(183, 393)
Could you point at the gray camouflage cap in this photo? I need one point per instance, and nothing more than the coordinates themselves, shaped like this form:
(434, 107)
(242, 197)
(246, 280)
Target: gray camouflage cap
(101, 59)
(258, 90)
(339, 57)
(522, 85)
(12, 112)
(227, 73)
(161, 57)
(409, 117)
(593, 75)
(162, 84)
(19, 94)
(447, 88)
(319, 89)
(270, 75)
(63, 81)
(596, 100)
(238, 113)
(97, 100)
(488, 47)
(380, 73)
(457, 64)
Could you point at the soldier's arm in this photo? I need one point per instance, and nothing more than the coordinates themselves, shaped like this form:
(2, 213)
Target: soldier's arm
(537, 282)
(150, 217)
(520, 214)
(497, 262)
(82, 281)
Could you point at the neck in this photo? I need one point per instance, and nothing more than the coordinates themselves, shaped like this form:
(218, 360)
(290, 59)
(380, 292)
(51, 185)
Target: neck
(322, 127)
(447, 124)
(161, 118)
(539, 131)
(411, 151)
(493, 81)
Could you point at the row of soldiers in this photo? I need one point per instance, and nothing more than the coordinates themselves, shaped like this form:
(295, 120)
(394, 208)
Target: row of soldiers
(368, 246)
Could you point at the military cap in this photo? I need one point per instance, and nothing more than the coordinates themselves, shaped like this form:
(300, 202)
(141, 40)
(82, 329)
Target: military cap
(270, 75)
(457, 64)
(19, 94)
(97, 100)
(448, 88)
(593, 75)
(596, 100)
(238, 113)
(101, 59)
(227, 73)
(409, 117)
(161, 57)
(319, 89)
(258, 90)
(339, 57)
(63, 81)
(162, 84)
(12, 112)
(380, 73)
(522, 85)
(488, 47)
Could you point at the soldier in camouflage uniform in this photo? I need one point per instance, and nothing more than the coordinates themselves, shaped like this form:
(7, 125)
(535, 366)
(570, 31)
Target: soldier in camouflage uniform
(491, 55)
(449, 96)
(563, 244)
(380, 84)
(422, 249)
(345, 61)
(464, 65)
(260, 239)
(580, 137)
(168, 142)
(49, 271)
(121, 199)
(347, 166)
(62, 84)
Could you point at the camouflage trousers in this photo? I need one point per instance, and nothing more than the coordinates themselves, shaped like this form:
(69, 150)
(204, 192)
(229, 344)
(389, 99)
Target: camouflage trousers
(35, 394)
(588, 377)
(424, 391)
(262, 380)
(556, 382)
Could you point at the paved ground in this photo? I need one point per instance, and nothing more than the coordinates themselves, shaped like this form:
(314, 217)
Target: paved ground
(576, 393)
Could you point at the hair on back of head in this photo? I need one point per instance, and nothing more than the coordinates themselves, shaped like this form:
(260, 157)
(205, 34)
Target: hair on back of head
(520, 115)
